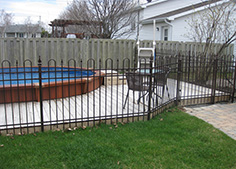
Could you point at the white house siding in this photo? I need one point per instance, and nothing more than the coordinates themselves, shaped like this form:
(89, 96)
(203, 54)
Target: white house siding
(235, 49)
(38, 35)
(161, 7)
(180, 29)
(131, 35)
(25, 35)
(166, 6)
(146, 32)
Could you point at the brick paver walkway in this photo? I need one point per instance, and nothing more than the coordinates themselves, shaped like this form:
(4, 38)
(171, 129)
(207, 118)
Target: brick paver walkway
(221, 116)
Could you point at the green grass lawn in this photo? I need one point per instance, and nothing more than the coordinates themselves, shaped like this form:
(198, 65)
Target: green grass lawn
(171, 140)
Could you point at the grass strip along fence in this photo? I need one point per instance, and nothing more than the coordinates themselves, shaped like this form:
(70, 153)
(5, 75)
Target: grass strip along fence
(59, 95)
(172, 140)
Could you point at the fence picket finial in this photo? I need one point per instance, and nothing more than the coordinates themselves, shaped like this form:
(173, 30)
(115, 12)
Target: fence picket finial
(39, 61)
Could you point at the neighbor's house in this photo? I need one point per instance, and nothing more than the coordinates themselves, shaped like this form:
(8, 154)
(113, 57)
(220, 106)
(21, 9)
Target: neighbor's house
(22, 31)
(170, 17)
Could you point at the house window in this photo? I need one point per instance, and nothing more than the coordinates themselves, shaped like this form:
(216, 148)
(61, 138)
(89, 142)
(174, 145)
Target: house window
(165, 34)
(10, 35)
(21, 35)
(33, 35)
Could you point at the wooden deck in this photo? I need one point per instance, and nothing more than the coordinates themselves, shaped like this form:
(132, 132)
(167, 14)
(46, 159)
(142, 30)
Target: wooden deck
(105, 102)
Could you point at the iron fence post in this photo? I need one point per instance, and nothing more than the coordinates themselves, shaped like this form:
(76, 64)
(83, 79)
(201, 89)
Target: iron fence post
(213, 89)
(40, 92)
(178, 90)
(150, 88)
(234, 83)
(135, 56)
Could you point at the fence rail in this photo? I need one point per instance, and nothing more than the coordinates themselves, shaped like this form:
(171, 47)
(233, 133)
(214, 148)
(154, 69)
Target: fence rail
(98, 49)
(48, 96)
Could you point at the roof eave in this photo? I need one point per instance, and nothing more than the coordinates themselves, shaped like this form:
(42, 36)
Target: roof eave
(157, 20)
(174, 16)
(152, 3)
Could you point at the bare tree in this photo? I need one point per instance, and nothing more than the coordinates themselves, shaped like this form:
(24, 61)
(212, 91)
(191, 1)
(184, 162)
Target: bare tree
(213, 25)
(31, 28)
(78, 11)
(106, 18)
(5, 20)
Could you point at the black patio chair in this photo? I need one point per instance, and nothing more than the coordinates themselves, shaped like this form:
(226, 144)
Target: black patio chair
(160, 80)
(136, 83)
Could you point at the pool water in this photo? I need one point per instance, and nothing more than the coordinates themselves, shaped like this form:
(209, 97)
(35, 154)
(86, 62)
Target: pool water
(30, 75)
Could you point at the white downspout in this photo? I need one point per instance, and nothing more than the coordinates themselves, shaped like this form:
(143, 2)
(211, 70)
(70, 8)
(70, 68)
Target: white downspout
(137, 36)
(168, 23)
(154, 33)
(171, 26)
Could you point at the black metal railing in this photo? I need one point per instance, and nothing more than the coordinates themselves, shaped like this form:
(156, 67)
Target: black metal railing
(65, 95)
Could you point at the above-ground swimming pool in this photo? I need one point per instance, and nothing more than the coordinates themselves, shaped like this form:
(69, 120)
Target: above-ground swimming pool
(22, 83)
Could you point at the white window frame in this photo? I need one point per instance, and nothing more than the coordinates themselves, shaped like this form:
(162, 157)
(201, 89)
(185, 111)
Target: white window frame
(21, 35)
(33, 35)
(164, 36)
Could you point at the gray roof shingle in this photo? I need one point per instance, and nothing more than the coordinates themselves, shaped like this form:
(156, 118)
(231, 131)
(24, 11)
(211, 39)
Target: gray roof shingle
(22, 28)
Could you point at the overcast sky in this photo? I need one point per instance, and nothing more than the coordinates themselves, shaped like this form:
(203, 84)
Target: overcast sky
(48, 10)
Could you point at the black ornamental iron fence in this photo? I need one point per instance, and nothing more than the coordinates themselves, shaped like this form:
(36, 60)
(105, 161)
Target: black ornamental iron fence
(64, 95)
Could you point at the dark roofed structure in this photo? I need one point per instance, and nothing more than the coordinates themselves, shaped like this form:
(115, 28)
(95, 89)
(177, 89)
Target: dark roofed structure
(63, 23)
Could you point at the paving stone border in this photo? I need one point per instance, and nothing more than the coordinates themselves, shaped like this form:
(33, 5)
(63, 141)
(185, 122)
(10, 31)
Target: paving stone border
(222, 116)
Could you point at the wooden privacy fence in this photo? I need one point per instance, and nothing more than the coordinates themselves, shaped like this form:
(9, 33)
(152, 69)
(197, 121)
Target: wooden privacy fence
(65, 49)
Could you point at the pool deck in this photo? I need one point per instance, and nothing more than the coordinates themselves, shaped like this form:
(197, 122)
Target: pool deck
(104, 102)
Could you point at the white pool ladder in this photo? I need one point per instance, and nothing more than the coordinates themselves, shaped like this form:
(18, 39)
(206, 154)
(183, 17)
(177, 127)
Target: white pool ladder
(145, 54)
